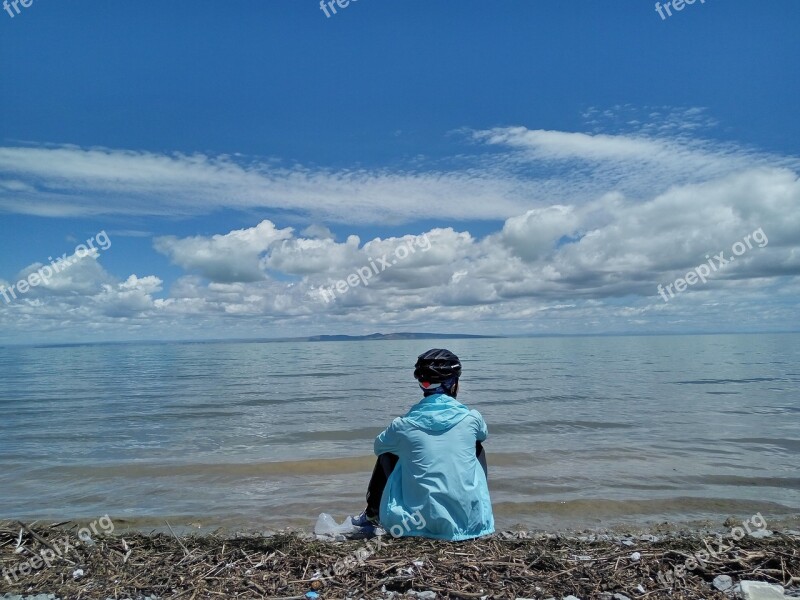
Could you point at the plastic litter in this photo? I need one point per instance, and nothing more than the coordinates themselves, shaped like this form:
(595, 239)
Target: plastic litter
(328, 529)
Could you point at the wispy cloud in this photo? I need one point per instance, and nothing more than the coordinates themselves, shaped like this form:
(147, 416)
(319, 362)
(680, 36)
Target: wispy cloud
(69, 181)
(530, 168)
(590, 224)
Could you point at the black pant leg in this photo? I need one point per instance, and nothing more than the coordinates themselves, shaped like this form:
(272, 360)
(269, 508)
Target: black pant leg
(481, 454)
(380, 475)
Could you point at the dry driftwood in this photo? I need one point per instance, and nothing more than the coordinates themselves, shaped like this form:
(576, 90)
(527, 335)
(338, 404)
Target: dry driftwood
(289, 565)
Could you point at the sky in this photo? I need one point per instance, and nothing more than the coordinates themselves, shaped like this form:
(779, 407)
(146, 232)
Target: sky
(259, 169)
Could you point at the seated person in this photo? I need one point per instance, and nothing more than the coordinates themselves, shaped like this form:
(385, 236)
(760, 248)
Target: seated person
(430, 476)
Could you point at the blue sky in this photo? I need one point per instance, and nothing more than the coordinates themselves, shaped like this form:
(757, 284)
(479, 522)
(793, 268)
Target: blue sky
(563, 159)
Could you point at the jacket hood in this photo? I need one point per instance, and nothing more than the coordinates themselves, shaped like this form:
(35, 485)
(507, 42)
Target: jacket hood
(438, 412)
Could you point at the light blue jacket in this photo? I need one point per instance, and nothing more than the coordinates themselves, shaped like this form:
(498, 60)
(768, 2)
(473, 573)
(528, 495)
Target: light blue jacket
(438, 488)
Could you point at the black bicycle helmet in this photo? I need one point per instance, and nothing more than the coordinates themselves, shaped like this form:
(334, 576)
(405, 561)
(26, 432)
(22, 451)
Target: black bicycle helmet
(437, 366)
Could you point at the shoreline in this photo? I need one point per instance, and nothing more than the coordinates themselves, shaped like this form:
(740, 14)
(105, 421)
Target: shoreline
(226, 525)
(639, 563)
(201, 527)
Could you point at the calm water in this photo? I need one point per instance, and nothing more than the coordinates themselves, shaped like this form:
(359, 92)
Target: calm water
(585, 431)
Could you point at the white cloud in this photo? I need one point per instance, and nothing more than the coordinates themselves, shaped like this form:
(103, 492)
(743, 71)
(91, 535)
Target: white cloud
(234, 256)
(130, 298)
(318, 231)
(534, 234)
(552, 145)
(581, 247)
(71, 181)
(71, 275)
(528, 168)
(304, 256)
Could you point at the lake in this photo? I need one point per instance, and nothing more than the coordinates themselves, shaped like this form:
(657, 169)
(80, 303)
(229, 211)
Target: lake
(583, 431)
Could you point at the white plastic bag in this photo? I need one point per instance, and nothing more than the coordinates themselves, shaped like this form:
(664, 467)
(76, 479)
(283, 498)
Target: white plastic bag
(328, 529)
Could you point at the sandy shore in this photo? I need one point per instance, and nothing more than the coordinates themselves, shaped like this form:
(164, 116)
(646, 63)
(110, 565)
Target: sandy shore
(664, 562)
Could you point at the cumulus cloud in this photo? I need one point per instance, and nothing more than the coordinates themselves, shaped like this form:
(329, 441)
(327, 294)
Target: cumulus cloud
(318, 231)
(232, 257)
(534, 234)
(66, 276)
(129, 298)
(580, 247)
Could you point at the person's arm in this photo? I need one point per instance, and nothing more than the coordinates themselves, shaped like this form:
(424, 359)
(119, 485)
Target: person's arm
(388, 440)
(481, 433)
(481, 430)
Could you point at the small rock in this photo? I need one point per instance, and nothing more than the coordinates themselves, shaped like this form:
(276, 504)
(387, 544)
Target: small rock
(723, 582)
(570, 598)
(648, 538)
(759, 590)
(640, 589)
(636, 557)
(77, 573)
(620, 597)
(627, 542)
(730, 522)
(426, 595)
(760, 534)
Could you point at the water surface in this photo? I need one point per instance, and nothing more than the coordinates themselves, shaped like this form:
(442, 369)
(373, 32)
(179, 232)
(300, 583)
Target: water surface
(584, 431)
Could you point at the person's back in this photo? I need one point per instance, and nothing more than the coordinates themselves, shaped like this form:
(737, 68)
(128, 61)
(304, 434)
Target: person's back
(430, 479)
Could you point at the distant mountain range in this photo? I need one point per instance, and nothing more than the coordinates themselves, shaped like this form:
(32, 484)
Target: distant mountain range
(390, 336)
(313, 338)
